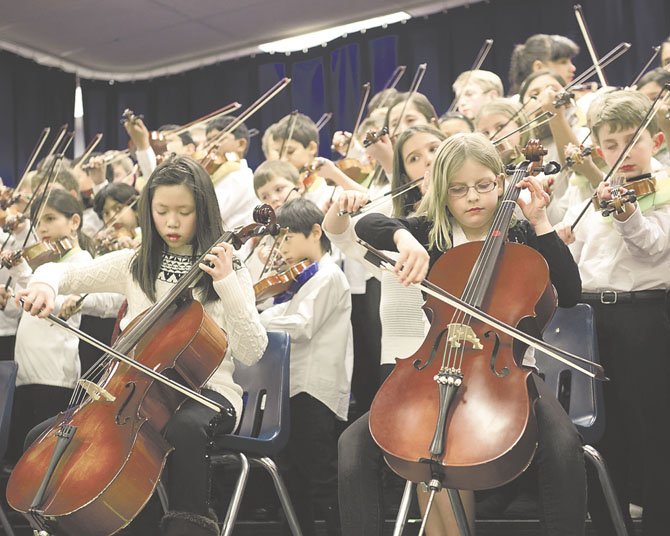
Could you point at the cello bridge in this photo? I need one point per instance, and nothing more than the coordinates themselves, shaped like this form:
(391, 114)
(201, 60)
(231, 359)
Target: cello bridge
(95, 391)
(462, 333)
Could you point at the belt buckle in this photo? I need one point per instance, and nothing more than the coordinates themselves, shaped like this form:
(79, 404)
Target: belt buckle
(606, 295)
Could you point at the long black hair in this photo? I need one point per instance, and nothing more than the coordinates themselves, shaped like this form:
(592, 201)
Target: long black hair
(176, 171)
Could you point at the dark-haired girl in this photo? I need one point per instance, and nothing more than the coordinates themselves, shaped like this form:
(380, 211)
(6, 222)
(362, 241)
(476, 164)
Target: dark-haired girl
(180, 219)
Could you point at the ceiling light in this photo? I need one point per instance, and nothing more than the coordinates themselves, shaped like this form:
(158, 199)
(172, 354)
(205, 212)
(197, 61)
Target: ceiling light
(312, 39)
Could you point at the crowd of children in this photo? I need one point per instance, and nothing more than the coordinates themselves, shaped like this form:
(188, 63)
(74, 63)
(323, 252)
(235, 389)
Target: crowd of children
(436, 183)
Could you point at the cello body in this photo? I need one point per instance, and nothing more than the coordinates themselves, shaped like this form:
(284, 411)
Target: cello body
(113, 462)
(490, 432)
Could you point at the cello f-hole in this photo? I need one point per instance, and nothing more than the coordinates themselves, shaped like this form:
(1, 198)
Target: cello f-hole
(494, 355)
(117, 419)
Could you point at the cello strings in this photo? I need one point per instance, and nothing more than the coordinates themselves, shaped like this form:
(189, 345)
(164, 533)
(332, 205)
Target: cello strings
(483, 259)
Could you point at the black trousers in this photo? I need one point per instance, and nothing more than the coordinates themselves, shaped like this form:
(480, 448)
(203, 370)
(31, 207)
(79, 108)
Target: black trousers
(634, 345)
(33, 404)
(192, 431)
(367, 338)
(7, 343)
(559, 461)
(309, 463)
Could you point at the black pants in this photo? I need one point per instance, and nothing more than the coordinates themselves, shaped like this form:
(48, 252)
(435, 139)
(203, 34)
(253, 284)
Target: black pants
(367, 335)
(7, 343)
(192, 431)
(559, 461)
(101, 329)
(309, 462)
(32, 405)
(634, 345)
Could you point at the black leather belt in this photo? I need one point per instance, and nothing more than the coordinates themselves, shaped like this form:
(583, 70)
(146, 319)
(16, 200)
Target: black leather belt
(610, 297)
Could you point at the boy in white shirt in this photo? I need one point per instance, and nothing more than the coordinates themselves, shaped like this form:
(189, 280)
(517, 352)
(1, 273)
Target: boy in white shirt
(234, 179)
(315, 312)
(623, 262)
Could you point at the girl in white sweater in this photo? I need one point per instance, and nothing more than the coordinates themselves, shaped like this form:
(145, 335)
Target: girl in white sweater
(179, 217)
(48, 359)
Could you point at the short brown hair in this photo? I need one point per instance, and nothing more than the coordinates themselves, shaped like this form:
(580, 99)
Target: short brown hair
(619, 109)
(274, 168)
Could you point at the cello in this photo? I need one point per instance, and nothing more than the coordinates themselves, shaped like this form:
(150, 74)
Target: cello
(459, 412)
(97, 466)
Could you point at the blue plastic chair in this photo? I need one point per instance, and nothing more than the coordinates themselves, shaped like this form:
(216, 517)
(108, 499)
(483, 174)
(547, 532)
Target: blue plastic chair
(8, 371)
(264, 426)
(573, 329)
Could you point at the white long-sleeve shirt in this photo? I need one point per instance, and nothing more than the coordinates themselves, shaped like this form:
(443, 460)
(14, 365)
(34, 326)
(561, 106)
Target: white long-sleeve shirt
(624, 256)
(236, 196)
(46, 354)
(318, 320)
(404, 327)
(234, 311)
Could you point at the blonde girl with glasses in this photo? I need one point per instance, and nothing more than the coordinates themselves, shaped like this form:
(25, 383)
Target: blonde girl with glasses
(465, 192)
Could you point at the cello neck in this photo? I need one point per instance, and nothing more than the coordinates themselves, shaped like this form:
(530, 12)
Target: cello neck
(484, 269)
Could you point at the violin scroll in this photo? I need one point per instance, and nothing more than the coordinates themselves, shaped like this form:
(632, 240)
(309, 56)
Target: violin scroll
(372, 137)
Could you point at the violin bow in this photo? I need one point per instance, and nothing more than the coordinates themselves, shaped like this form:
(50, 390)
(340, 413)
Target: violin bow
(654, 52)
(416, 82)
(50, 176)
(225, 110)
(512, 118)
(291, 127)
(392, 82)
(41, 140)
(659, 101)
(541, 119)
(365, 94)
(391, 194)
(131, 362)
(581, 21)
(479, 60)
(251, 110)
(324, 120)
(89, 149)
(384, 262)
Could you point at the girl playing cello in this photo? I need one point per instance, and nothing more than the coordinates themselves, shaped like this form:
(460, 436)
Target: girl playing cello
(463, 196)
(179, 217)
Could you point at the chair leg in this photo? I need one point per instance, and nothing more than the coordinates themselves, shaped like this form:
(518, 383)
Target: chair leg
(608, 489)
(282, 492)
(5, 523)
(236, 499)
(162, 496)
(459, 512)
(403, 509)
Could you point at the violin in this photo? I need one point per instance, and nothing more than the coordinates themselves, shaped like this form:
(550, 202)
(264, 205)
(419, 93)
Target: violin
(373, 137)
(110, 241)
(636, 188)
(432, 417)
(40, 253)
(94, 470)
(308, 174)
(275, 284)
(157, 139)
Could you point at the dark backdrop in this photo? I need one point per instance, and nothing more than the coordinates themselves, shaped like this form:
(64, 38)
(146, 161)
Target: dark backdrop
(324, 78)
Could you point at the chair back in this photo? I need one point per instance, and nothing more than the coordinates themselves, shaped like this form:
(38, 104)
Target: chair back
(573, 329)
(264, 425)
(8, 371)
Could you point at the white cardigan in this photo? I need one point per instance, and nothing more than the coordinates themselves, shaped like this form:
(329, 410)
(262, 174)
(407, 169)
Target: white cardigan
(234, 311)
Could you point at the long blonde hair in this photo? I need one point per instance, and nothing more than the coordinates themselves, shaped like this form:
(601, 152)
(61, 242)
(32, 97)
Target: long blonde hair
(450, 157)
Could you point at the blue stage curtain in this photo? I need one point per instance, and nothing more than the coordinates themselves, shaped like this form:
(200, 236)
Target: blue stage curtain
(324, 78)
